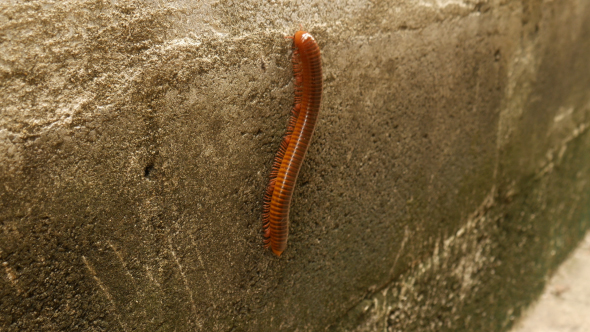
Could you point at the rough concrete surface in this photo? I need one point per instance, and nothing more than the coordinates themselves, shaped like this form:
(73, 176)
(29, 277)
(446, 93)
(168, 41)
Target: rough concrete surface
(447, 177)
(564, 305)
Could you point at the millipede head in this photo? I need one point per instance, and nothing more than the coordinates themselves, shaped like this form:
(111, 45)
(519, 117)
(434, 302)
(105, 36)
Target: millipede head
(300, 37)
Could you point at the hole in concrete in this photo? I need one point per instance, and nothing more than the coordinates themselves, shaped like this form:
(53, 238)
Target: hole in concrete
(148, 170)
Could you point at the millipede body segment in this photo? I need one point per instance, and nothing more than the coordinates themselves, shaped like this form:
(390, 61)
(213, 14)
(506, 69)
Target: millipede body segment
(307, 68)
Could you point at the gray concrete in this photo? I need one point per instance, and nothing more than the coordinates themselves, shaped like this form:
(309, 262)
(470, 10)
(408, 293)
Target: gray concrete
(447, 177)
(565, 303)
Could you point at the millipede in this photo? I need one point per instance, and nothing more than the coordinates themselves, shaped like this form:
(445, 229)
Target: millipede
(307, 69)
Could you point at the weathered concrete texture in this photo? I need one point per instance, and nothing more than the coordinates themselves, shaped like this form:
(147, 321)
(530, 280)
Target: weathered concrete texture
(448, 175)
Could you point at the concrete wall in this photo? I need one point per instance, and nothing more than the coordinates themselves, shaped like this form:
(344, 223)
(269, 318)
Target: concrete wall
(449, 173)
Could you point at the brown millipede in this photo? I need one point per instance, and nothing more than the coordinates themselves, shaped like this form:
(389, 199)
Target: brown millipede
(307, 69)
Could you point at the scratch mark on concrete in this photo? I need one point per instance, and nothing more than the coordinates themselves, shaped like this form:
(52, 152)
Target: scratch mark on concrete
(401, 249)
(150, 275)
(555, 154)
(185, 280)
(106, 292)
(563, 113)
(199, 256)
(121, 260)
(476, 253)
